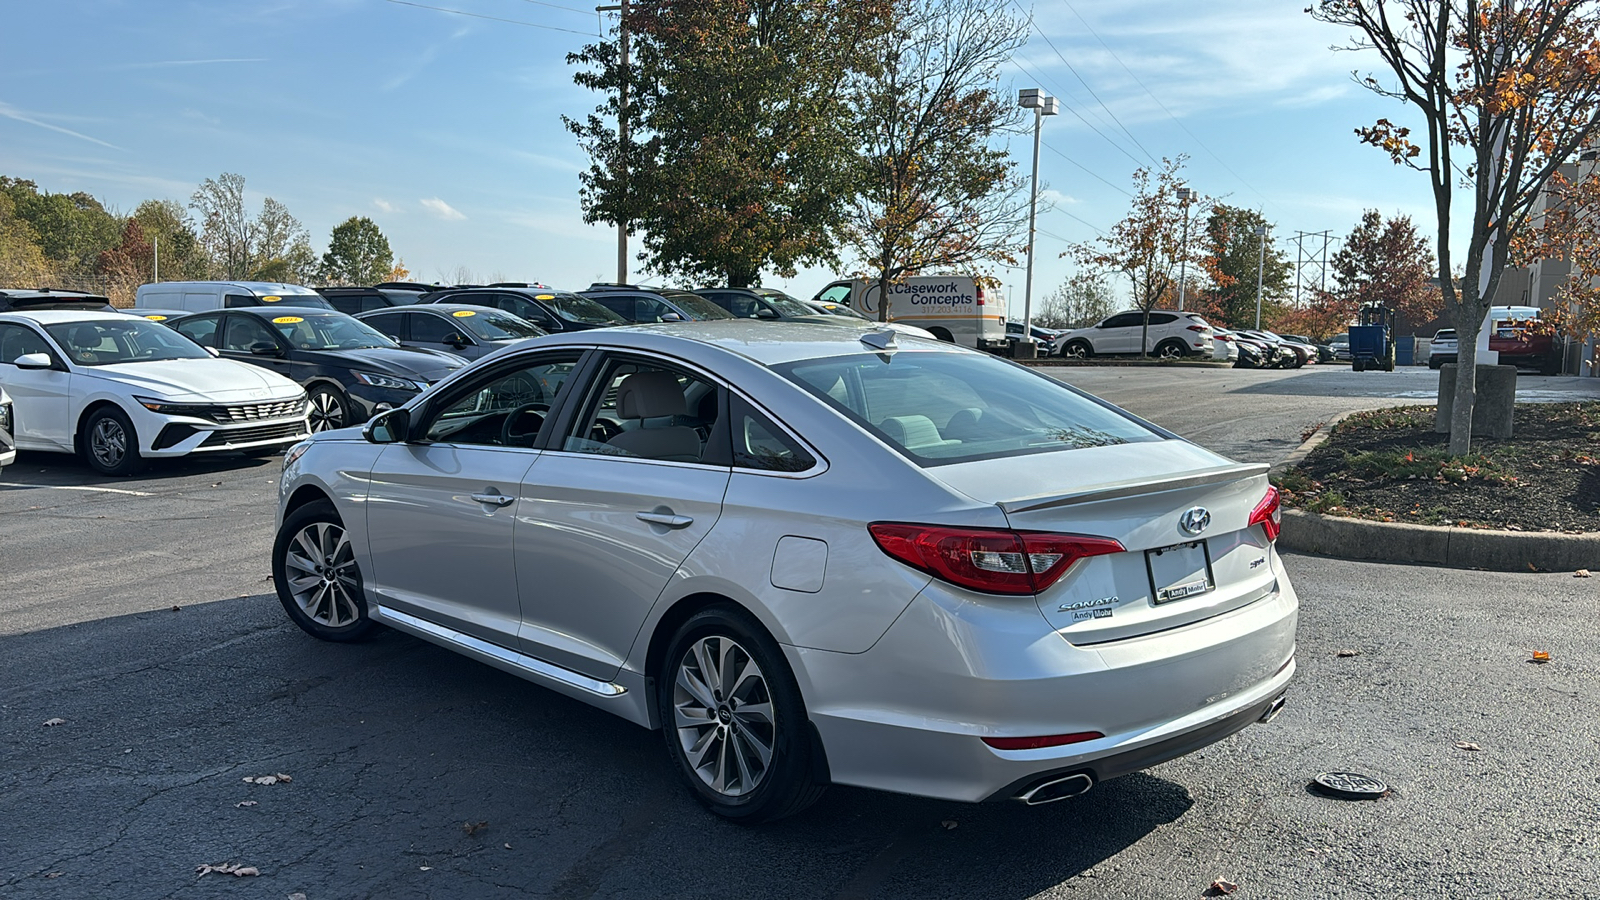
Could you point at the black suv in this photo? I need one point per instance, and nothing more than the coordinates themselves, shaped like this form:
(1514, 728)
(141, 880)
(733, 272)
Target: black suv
(767, 303)
(355, 300)
(554, 311)
(642, 304)
(52, 298)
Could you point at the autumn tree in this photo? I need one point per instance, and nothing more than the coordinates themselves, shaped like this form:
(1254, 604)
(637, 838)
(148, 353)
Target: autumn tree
(1508, 91)
(1387, 262)
(1082, 300)
(1233, 258)
(936, 188)
(739, 148)
(173, 240)
(126, 266)
(1147, 245)
(272, 245)
(358, 253)
(1567, 230)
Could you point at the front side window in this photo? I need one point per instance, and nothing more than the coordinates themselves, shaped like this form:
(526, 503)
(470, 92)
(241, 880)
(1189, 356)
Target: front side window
(574, 308)
(107, 342)
(742, 306)
(1123, 320)
(326, 332)
(246, 332)
(431, 329)
(647, 411)
(507, 411)
(939, 407)
(20, 340)
(839, 293)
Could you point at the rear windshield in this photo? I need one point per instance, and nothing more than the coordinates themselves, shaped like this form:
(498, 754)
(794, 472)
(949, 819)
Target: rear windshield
(1448, 334)
(495, 325)
(303, 301)
(325, 332)
(785, 304)
(696, 305)
(579, 309)
(941, 407)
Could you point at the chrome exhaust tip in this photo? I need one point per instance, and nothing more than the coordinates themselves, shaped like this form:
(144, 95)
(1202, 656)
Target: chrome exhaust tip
(1057, 789)
(1273, 708)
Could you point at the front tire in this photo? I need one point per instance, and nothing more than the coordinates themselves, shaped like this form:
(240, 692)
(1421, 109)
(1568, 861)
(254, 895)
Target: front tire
(734, 721)
(317, 577)
(110, 445)
(1077, 350)
(329, 408)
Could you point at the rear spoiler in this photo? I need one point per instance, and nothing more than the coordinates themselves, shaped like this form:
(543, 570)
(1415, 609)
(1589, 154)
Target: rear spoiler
(1133, 487)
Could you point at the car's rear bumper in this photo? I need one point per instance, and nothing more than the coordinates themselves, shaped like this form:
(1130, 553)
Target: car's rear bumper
(910, 714)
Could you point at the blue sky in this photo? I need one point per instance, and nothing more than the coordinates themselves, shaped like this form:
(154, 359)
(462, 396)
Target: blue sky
(445, 129)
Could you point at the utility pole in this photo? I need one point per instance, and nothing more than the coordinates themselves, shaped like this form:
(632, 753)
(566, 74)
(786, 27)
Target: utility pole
(1309, 255)
(1184, 196)
(622, 132)
(1261, 264)
(157, 275)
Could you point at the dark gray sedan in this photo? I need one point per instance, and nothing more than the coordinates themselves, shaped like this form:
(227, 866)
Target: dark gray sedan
(467, 331)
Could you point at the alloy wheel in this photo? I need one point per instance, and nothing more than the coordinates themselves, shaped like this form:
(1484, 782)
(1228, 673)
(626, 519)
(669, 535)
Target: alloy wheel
(108, 441)
(320, 567)
(327, 413)
(1170, 351)
(722, 709)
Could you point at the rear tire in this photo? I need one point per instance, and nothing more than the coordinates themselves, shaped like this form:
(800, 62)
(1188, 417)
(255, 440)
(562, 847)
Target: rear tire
(734, 721)
(110, 445)
(317, 577)
(1357, 365)
(1170, 349)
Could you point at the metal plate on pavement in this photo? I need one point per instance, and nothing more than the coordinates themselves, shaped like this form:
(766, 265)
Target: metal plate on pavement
(1350, 786)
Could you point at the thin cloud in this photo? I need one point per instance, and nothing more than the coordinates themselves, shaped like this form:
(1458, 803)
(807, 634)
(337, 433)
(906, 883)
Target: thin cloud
(165, 63)
(385, 206)
(11, 112)
(442, 209)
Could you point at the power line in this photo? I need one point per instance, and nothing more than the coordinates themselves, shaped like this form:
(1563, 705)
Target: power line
(1040, 77)
(1076, 219)
(1163, 106)
(1103, 105)
(1090, 171)
(559, 6)
(460, 12)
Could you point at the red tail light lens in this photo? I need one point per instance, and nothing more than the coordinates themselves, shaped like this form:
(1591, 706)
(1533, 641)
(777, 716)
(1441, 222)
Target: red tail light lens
(1269, 514)
(1200, 328)
(1035, 743)
(991, 560)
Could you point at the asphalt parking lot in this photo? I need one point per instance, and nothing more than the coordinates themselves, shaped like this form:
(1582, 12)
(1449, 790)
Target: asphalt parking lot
(398, 750)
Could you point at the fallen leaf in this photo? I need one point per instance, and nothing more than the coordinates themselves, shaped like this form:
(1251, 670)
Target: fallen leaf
(1348, 653)
(426, 868)
(1467, 745)
(473, 827)
(51, 723)
(1540, 657)
(507, 846)
(266, 779)
(53, 874)
(297, 896)
(284, 778)
(242, 803)
(1581, 573)
(948, 824)
(244, 871)
(1221, 887)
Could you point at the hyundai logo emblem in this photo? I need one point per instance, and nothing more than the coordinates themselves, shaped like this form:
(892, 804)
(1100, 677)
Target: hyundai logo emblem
(1195, 520)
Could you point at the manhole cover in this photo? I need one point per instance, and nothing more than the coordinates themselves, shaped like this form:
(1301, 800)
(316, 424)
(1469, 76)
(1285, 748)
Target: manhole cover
(1350, 786)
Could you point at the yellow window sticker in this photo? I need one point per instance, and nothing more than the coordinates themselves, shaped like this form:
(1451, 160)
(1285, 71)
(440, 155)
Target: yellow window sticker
(544, 296)
(270, 299)
(463, 313)
(287, 320)
(156, 318)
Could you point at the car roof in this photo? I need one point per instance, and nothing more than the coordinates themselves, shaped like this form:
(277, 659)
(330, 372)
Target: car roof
(263, 288)
(435, 309)
(59, 316)
(275, 309)
(768, 342)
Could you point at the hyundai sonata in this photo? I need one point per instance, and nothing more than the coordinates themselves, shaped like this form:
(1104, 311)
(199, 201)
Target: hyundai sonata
(809, 554)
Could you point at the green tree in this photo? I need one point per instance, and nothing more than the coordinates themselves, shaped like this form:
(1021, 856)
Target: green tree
(1508, 92)
(1082, 300)
(358, 253)
(739, 148)
(72, 229)
(22, 261)
(1232, 256)
(936, 187)
(269, 246)
(171, 234)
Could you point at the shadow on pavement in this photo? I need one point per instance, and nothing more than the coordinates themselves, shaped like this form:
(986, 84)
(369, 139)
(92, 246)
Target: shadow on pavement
(54, 469)
(397, 750)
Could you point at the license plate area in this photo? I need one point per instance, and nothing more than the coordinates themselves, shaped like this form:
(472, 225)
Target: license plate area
(1179, 571)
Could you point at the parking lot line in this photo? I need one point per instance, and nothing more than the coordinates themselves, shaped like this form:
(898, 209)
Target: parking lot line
(76, 487)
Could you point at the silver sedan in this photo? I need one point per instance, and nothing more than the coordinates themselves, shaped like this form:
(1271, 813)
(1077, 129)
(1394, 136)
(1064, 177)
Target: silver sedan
(809, 554)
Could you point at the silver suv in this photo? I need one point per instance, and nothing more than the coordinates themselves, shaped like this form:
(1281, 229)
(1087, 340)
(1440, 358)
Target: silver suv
(1172, 335)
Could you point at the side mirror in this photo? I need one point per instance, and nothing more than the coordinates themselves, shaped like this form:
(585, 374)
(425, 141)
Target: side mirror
(390, 427)
(265, 348)
(33, 361)
(455, 339)
(214, 351)
(671, 317)
(765, 313)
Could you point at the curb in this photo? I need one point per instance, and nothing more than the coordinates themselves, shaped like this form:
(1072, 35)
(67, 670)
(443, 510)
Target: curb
(1131, 363)
(1433, 545)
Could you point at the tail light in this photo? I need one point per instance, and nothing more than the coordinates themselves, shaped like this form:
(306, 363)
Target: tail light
(991, 560)
(1269, 513)
(1223, 337)
(1200, 328)
(980, 296)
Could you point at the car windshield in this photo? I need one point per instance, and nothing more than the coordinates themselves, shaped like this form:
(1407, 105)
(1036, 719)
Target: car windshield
(941, 407)
(834, 309)
(696, 305)
(1447, 335)
(328, 332)
(105, 342)
(579, 309)
(494, 325)
(785, 304)
(303, 301)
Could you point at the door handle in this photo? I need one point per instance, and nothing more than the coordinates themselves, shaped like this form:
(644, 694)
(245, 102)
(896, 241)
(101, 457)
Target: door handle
(494, 499)
(667, 519)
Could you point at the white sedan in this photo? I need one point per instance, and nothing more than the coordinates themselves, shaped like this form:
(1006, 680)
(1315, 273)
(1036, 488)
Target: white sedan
(809, 554)
(8, 448)
(120, 389)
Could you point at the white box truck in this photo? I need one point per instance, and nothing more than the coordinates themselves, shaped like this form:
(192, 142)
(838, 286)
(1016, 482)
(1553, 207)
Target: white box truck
(954, 307)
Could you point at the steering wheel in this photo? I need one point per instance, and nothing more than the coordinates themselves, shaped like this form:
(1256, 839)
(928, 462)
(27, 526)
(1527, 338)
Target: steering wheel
(352, 344)
(602, 431)
(513, 436)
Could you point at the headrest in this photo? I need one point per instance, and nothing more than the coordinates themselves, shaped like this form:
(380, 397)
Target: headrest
(646, 395)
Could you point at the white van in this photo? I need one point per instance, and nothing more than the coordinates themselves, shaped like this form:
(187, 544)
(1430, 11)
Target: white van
(170, 297)
(953, 307)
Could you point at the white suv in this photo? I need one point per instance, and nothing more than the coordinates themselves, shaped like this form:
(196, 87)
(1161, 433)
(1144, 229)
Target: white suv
(1172, 335)
(8, 446)
(1443, 348)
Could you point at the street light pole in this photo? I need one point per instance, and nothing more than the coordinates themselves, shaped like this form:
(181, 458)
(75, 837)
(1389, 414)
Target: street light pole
(1042, 105)
(1184, 196)
(621, 9)
(1261, 264)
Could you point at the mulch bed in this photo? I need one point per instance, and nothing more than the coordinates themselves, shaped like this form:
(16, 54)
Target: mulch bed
(1389, 465)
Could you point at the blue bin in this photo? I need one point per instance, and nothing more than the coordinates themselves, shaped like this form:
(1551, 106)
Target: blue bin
(1405, 350)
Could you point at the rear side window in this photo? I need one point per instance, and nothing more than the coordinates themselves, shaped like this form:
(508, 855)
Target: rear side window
(201, 331)
(1161, 319)
(758, 443)
(234, 301)
(391, 324)
(939, 408)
